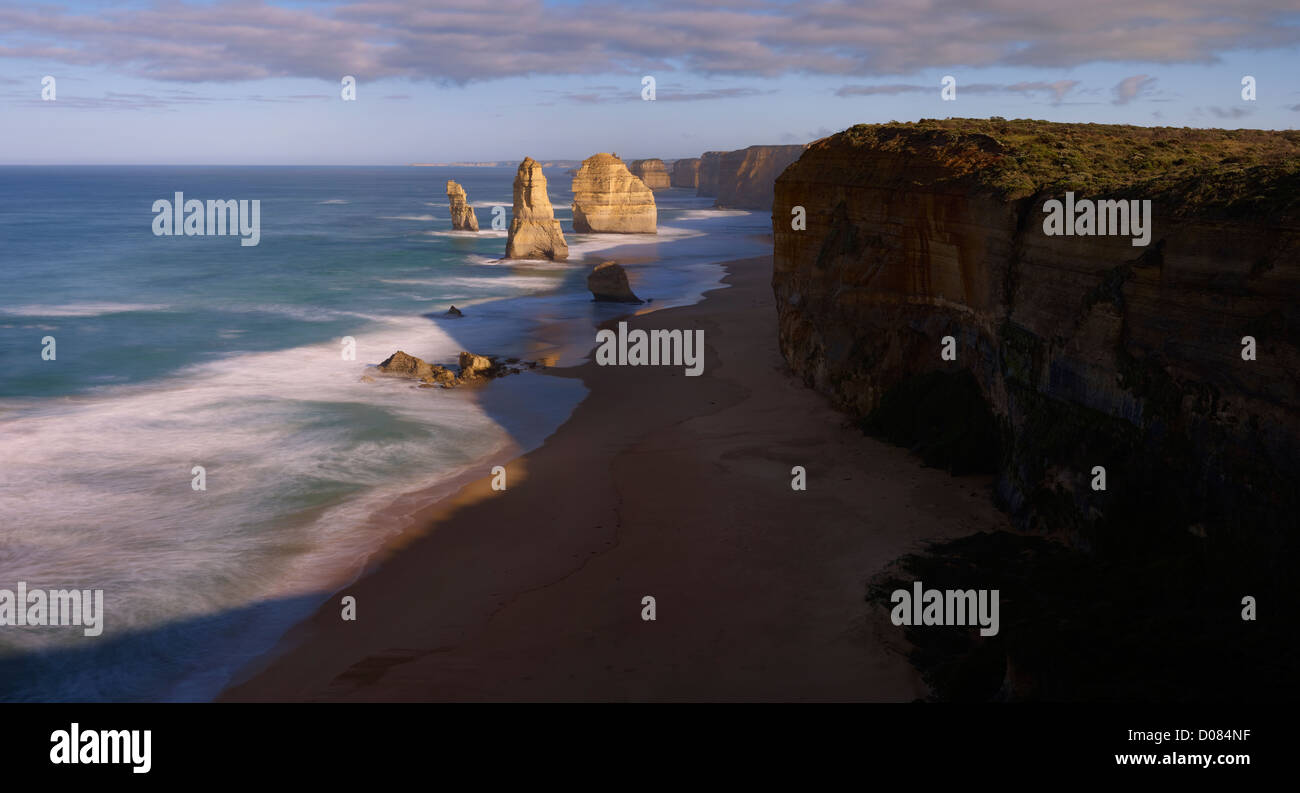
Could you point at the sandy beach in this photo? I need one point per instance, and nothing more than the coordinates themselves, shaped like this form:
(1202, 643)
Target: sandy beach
(663, 485)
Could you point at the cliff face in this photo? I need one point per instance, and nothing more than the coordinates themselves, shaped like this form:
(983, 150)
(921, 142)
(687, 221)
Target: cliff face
(534, 231)
(608, 198)
(710, 163)
(1084, 350)
(462, 214)
(746, 177)
(652, 173)
(686, 173)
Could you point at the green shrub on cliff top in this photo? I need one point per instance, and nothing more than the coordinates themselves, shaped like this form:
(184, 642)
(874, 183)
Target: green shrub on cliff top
(1240, 170)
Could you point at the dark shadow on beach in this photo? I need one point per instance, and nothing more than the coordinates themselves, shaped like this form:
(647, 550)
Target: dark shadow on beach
(186, 660)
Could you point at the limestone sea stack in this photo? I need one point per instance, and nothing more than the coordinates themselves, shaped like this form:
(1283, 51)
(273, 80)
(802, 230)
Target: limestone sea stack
(686, 173)
(462, 214)
(608, 282)
(607, 198)
(534, 231)
(652, 172)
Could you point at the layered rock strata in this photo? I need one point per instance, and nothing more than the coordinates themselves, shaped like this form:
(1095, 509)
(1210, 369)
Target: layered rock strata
(608, 198)
(746, 177)
(707, 181)
(534, 232)
(652, 173)
(686, 173)
(462, 214)
(1073, 353)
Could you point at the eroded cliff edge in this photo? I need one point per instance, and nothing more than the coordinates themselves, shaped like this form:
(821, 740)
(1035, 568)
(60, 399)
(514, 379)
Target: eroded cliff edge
(1083, 351)
(744, 177)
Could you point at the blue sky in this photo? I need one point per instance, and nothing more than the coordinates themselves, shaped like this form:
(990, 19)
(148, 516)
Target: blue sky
(258, 82)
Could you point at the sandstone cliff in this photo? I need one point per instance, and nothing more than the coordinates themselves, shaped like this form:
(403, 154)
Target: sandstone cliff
(1071, 351)
(534, 231)
(686, 173)
(746, 177)
(707, 182)
(652, 173)
(608, 198)
(462, 214)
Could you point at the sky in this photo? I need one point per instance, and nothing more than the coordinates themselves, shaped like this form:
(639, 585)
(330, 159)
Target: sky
(259, 82)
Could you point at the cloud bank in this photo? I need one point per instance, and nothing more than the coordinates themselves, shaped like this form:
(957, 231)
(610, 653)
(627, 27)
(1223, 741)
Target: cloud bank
(466, 40)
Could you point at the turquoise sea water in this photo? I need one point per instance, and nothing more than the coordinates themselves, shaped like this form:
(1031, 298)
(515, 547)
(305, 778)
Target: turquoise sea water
(175, 352)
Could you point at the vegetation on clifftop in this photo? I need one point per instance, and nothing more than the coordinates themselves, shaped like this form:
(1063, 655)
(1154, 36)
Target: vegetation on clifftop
(1242, 170)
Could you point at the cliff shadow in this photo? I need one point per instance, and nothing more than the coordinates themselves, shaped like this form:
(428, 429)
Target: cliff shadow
(190, 659)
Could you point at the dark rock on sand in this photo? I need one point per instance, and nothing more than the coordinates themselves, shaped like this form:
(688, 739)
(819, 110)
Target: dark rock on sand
(472, 368)
(608, 282)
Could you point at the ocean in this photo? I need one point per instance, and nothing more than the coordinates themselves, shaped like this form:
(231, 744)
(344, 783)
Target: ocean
(176, 352)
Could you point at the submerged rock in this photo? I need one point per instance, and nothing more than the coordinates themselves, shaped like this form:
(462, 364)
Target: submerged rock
(608, 282)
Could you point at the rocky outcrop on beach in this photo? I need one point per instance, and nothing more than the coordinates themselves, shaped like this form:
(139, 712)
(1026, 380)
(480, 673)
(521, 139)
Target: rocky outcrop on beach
(470, 368)
(462, 214)
(472, 365)
(402, 364)
(686, 173)
(707, 180)
(534, 232)
(652, 172)
(608, 282)
(608, 198)
(1172, 366)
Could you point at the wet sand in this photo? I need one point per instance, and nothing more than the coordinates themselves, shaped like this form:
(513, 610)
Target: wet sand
(662, 485)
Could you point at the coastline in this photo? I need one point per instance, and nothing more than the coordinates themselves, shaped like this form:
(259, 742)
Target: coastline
(657, 484)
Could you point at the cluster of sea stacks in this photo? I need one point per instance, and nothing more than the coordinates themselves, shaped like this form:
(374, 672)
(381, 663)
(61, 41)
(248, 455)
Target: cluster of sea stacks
(610, 197)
